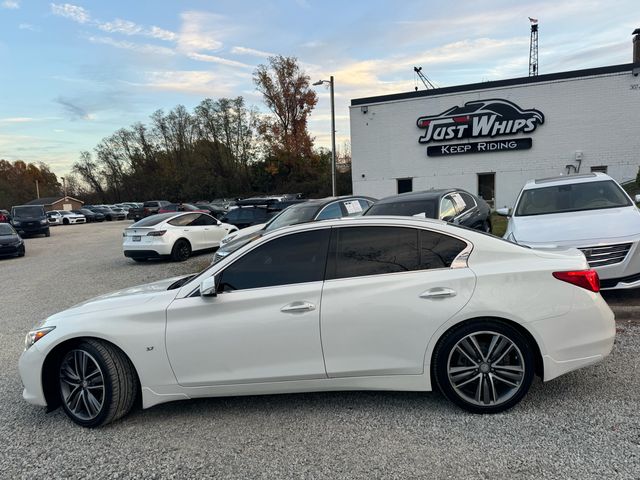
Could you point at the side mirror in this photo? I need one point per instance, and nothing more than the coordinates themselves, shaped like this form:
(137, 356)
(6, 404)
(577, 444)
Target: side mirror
(448, 218)
(504, 212)
(637, 198)
(209, 287)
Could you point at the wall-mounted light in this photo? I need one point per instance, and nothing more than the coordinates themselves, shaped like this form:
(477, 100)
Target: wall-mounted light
(363, 175)
(364, 110)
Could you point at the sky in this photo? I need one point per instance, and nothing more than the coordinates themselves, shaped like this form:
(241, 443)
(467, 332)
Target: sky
(73, 73)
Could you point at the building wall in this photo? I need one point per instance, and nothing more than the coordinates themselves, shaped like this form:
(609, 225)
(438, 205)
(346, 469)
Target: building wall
(597, 115)
(64, 204)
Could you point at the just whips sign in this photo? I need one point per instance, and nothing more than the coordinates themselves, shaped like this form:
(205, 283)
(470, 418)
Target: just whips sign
(477, 119)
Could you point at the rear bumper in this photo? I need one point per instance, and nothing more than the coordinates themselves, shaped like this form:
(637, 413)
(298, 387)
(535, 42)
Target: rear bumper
(143, 254)
(583, 336)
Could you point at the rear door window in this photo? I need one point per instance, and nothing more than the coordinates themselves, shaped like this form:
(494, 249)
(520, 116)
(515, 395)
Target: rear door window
(332, 210)
(184, 220)
(362, 251)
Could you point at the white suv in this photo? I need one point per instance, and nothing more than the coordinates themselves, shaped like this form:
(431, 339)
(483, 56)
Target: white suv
(591, 212)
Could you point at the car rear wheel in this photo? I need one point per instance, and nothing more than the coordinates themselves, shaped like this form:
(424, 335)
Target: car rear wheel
(97, 383)
(181, 251)
(484, 367)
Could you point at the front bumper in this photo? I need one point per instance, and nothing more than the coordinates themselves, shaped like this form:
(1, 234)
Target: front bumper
(33, 230)
(30, 367)
(11, 250)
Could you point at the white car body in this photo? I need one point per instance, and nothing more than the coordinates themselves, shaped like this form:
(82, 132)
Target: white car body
(378, 331)
(140, 240)
(70, 218)
(609, 237)
(54, 218)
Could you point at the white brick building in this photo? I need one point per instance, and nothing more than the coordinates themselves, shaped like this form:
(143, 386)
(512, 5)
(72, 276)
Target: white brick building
(586, 120)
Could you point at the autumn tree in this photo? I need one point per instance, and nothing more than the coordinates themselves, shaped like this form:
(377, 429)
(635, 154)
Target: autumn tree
(288, 95)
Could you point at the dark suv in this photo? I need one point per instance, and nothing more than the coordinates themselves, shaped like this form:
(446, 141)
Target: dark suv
(30, 220)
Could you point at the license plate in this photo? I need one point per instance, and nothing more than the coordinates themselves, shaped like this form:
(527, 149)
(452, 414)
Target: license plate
(136, 238)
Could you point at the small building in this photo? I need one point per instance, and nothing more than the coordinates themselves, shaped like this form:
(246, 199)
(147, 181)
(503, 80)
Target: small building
(490, 138)
(57, 203)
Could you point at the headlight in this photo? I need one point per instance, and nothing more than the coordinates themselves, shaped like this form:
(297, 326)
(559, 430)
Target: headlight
(17, 243)
(16, 223)
(34, 335)
(44, 222)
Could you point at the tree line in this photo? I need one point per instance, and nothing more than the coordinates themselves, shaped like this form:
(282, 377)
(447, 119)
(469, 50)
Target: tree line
(222, 148)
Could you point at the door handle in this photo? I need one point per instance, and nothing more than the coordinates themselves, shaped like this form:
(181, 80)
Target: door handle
(295, 307)
(438, 292)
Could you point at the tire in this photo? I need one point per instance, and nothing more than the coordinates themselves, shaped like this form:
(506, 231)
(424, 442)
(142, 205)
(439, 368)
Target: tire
(65, 221)
(101, 393)
(181, 250)
(486, 226)
(22, 252)
(496, 389)
(47, 233)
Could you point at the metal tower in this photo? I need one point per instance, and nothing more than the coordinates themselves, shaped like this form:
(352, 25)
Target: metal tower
(428, 84)
(533, 48)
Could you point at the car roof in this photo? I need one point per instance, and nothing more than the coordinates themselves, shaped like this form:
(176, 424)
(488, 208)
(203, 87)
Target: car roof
(321, 202)
(566, 179)
(421, 195)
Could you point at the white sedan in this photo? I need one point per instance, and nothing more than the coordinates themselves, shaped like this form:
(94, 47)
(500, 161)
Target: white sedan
(70, 218)
(590, 212)
(402, 304)
(174, 235)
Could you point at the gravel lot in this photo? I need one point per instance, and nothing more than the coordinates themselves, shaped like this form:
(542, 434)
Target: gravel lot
(583, 425)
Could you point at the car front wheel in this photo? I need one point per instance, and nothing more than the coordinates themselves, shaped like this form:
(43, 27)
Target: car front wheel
(97, 383)
(484, 367)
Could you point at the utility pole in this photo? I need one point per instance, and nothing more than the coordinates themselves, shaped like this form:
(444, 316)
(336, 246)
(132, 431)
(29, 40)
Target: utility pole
(333, 134)
(64, 185)
(37, 190)
(533, 48)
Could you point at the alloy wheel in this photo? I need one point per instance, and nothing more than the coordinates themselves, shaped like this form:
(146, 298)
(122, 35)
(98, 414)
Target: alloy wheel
(486, 368)
(82, 385)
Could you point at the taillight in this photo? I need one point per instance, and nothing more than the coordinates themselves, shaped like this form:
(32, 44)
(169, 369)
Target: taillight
(582, 278)
(425, 123)
(463, 119)
(157, 233)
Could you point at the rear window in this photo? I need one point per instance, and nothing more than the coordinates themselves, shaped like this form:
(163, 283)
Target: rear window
(28, 211)
(573, 197)
(428, 208)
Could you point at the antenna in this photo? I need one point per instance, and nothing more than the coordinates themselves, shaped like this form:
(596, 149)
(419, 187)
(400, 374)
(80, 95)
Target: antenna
(428, 84)
(533, 48)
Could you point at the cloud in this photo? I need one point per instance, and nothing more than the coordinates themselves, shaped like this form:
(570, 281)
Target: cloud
(251, 51)
(74, 109)
(121, 26)
(10, 4)
(136, 47)
(189, 81)
(161, 34)
(17, 120)
(201, 57)
(200, 31)
(28, 26)
(72, 12)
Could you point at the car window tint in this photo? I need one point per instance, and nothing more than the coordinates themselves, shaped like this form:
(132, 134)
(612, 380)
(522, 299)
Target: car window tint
(469, 201)
(296, 258)
(330, 211)
(183, 220)
(438, 250)
(447, 208)
(365, 204)
(422, 208)
(359, 251)
(207, 220)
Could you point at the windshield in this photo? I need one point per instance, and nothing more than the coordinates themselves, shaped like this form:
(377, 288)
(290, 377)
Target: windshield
(573, 197)
(291, 216)
(6, 229)
(408, 208)
(28, 211)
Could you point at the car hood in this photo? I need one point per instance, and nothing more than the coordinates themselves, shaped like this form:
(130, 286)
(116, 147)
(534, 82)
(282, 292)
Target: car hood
(576, 227)
(9, 239)
(132, 296)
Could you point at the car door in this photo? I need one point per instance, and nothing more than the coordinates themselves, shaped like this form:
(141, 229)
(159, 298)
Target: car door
(187, 227)
(213, 231)
(387, 290)
(264, 324)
